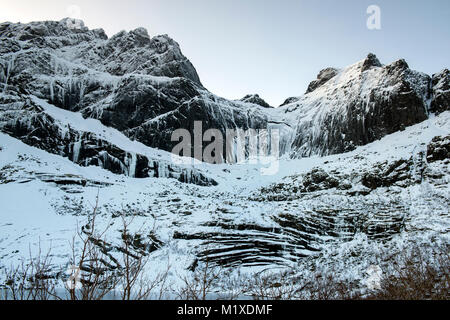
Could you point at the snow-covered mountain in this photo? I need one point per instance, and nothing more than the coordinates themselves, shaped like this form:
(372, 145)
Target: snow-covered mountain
(139, 85)
(365, 155)
(146, 88)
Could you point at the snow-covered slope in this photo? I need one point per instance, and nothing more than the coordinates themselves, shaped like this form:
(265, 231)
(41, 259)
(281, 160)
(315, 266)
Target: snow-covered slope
(376, 195)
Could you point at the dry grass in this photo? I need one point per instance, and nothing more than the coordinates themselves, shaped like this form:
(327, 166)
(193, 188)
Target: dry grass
(417, 276)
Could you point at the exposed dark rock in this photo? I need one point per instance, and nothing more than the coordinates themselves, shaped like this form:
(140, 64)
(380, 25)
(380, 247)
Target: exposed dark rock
(394, 97)
(441, 92)
(158, 134)
(318, 179)
(38, 129)
(146, 88)
(289, 101)
(387, 174)
(292, 236)
(397, 66)
(439, 149)
(371, 61)
(401, 172)
(142, 86)
(323, 76)
(255, 99)
(315, 180)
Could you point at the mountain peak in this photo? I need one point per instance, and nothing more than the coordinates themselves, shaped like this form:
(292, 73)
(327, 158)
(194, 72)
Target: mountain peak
(255, 99)
(124, 53)
(73, 23)
(51, 33)
(324, 76)
(370, 62)
(141, 32)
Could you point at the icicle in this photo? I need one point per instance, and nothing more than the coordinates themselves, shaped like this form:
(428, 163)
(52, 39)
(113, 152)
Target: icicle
(52, 90)
(62, 93)
(76, 150)
(2, 76)
(82, 89)
(131, 162)
(9, 68)
(133, 165)
(162, 170)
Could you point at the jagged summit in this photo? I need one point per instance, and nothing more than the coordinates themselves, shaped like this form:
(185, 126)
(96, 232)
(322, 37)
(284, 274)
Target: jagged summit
(370, 61)
(323, 76)
(327, 74)
(124, 53)
(255, 99)
(66, 27)
(289, 100)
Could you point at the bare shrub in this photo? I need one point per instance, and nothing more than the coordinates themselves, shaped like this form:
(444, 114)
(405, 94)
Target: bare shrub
(134, 284)
(268, 286)
(103, 275)
(97, 278)
(96, 273)
(417, 275)
(326, 287)
(288, 286)
(201, 282)
(231, 285)
(31, 280)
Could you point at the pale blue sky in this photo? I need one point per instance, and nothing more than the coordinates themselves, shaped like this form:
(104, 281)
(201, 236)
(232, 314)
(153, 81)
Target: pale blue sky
(274, 48)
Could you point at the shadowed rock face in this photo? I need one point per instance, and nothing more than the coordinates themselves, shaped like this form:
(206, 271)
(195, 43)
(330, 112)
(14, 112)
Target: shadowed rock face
(146, 89)
(124, 53)
(359, 105)
(139, 85)
(370, 62)
(327, 74)
(290, 100)
(439, 149)
(255, 99)
(441, 92)
(322, 78)
(27, 121)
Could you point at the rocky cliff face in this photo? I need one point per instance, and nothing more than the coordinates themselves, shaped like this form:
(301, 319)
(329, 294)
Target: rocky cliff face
(139, 85)
(126, 52)
(441, 92)
(358, 105)
(32, 122)
(146, 88)
(255, 99)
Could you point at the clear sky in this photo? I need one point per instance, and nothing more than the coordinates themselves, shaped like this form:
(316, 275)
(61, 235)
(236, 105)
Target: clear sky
(271, 47)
